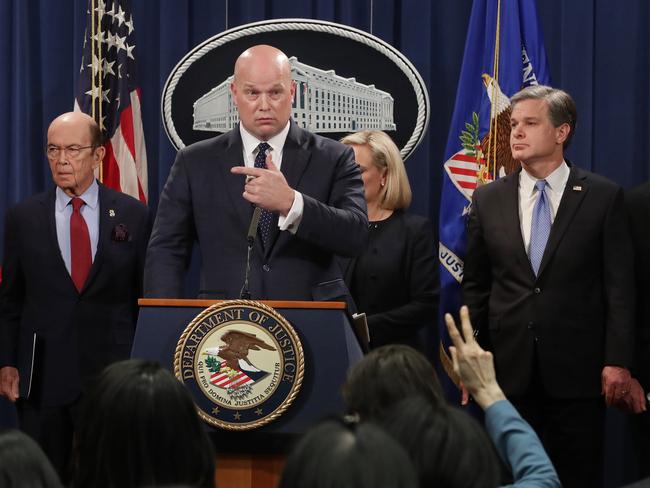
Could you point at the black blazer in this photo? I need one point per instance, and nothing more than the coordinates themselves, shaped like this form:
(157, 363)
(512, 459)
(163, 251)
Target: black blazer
(395, 281)
(202, 201)
(577, 315)
(638, 207)
(79, 332)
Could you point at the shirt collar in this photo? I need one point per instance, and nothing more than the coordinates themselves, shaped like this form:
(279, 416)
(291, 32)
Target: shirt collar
(250, 142)
(555, 181)
(90, 196)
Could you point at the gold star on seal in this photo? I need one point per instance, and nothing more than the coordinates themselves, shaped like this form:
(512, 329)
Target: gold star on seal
(237, 416)
(258, 411)
(215, 410)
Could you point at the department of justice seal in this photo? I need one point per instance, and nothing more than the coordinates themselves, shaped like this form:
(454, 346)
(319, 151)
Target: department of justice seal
(242, 362)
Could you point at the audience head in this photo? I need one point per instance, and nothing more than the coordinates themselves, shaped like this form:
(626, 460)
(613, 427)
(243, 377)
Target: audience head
(382, 169)
(139, 427)
(23, 464)
(338, 454)
(447, 447)
(387, 375)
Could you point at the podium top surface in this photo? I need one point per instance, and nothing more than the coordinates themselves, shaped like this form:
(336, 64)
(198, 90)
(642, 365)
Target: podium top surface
(179, 302)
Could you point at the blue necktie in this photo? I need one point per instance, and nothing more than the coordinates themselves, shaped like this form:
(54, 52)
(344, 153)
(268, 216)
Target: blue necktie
(540, 227)
(266, 217)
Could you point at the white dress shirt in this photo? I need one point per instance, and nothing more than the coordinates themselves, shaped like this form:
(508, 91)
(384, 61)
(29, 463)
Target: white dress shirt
(89, 212)
(555, 183)
(250, 143)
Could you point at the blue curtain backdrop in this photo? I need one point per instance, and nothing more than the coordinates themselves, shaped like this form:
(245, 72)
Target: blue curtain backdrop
(598, 50)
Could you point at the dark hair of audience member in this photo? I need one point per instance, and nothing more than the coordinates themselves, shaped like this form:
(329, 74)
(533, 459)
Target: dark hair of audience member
(139, 427)
(387, 375)
(446, 445)
(337, 454)
(23, 464)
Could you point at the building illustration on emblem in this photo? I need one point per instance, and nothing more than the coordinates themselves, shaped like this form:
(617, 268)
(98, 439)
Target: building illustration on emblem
(324, 102)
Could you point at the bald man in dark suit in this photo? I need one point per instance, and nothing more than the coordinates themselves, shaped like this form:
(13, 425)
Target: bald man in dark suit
(309, 188)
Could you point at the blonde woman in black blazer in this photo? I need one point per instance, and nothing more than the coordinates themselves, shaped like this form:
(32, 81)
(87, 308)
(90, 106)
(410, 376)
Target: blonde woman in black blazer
(395, 281)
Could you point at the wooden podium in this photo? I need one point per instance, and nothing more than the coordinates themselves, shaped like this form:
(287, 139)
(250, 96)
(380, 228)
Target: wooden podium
(255, 458)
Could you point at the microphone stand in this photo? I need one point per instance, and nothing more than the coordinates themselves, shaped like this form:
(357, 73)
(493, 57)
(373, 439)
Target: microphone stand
(245, 293)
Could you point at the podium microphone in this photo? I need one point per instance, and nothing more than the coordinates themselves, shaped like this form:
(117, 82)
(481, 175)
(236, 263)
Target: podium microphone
(245, 293)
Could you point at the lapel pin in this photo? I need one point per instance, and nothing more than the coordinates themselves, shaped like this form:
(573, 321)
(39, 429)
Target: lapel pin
(111, 212)
(577, 188)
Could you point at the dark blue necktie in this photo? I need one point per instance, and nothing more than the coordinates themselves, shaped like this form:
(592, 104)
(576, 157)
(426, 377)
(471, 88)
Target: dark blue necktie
(266, 218)
(540, 227)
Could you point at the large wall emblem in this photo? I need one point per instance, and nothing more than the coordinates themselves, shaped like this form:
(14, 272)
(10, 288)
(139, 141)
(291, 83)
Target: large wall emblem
(242, 362)
(324, 102)
(372, 86)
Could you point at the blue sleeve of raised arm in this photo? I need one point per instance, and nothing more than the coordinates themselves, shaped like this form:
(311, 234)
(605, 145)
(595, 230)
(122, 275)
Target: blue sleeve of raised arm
(519, 447)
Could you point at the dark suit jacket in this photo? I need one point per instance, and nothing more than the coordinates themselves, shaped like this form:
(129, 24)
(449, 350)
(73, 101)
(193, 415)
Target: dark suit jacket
(202, 201)
(638, 207)
(577, 315)
(395, 281)
(79, 333)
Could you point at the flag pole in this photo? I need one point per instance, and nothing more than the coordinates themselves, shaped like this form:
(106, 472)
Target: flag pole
(100, 94)
(494, 127)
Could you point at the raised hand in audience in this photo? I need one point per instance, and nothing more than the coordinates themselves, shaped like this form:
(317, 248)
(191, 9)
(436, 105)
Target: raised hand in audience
(474, 366)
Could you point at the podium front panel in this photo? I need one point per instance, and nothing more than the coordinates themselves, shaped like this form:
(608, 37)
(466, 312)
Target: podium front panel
(329, 344)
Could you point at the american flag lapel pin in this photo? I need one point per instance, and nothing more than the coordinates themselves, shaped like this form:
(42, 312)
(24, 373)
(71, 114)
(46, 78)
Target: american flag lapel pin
(577, 188)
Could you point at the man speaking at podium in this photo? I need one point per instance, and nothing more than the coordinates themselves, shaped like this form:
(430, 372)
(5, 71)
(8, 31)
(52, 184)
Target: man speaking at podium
(308, 189)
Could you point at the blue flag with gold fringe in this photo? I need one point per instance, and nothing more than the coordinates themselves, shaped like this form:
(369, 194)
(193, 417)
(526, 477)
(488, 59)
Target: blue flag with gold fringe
(504, 52)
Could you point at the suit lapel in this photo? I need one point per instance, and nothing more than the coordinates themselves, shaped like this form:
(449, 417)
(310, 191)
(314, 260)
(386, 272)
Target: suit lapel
(234, 184)
(49, 204)
(510, 206)
(294, 157)
(574, 192)
(106, 224)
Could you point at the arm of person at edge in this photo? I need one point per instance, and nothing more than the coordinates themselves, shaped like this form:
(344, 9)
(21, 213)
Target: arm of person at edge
(11, 304)
(321, 223)
(619, 293)
(635, 400)
(517, 443)
(9, 380)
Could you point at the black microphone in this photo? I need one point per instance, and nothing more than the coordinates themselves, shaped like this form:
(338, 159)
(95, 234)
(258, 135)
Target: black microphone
(252, 229)
(245, 293)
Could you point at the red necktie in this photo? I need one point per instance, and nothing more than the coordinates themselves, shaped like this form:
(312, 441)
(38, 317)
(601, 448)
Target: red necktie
(79, 245)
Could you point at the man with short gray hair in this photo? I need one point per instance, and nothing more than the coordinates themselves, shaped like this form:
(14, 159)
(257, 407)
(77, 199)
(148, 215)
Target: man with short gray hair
(548, 280)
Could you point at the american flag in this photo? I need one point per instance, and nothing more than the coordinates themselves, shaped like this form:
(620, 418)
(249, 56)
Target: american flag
(224, 380)
(462, 169)
(226, 377)
(108, 91)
